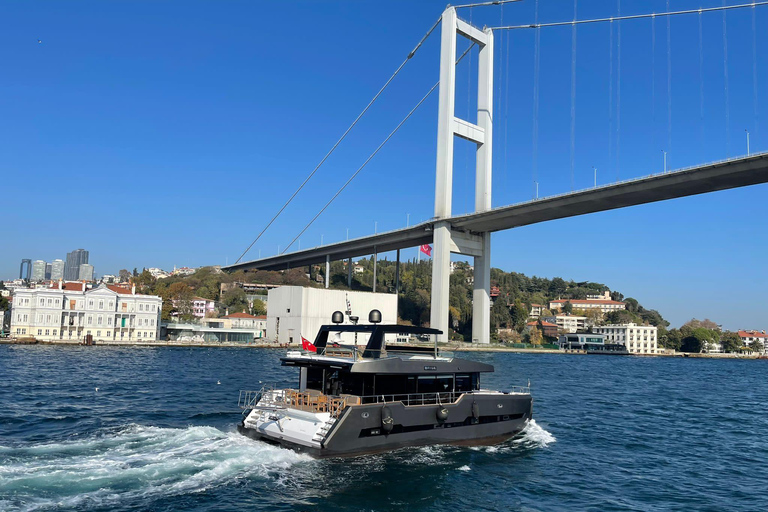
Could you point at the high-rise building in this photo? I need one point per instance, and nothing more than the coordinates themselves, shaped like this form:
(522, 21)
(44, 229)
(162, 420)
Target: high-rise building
(72, 266)
(25, 263)
(57, 270)
(47, 271)
(38, 270)
(86, 272)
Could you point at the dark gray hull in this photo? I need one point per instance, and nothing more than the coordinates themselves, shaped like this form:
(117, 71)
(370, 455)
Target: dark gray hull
(474, 419)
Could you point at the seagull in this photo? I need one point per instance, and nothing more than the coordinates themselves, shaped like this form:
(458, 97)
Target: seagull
(97, 389)
(39, 41)
(218, 382)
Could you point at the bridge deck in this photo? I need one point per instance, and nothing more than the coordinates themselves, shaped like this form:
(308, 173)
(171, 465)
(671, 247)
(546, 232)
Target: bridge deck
(727, 174)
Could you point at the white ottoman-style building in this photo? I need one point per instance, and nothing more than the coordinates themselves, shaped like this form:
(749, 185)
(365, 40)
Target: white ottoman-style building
(70, 312)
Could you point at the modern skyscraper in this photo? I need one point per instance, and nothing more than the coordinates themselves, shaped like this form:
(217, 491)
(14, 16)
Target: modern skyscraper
(86, 272)
(38, 270)
(72, 266)
(25, 263)
(57, 270)
(47, 271)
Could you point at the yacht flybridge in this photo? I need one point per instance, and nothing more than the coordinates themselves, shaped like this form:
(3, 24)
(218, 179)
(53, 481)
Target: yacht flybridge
(353, 399)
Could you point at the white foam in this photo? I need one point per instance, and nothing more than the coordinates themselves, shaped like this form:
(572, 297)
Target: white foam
(534, 436)
(464, 468)
(136, 462)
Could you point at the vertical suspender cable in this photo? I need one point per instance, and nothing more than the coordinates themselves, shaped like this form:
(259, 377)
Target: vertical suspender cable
(701, 84)
(653, 82)
(535, 135)
(669, 84)
(573, 91)
(754, 67)
(725, 84)
(618, 93)
(610, 95)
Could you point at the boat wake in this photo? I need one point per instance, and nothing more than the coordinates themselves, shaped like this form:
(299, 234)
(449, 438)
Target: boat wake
(534, 436)
(134, 463)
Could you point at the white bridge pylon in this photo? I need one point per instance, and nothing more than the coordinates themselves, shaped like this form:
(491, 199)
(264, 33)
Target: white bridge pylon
(446, 239)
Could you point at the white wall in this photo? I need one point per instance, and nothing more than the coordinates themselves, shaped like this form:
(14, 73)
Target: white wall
(295, 311)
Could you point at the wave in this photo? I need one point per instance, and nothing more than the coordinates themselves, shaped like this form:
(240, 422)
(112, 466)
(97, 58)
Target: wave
(134, 463)
(534, 436)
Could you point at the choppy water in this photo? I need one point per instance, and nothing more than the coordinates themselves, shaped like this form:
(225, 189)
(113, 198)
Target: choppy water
(611, 433)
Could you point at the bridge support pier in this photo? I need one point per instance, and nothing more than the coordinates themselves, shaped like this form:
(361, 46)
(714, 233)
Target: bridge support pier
(481, 297)
(441, 279)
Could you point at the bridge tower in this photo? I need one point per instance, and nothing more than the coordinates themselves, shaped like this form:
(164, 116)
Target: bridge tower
(447, 239)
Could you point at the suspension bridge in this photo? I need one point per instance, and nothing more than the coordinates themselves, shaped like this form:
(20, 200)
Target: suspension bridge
(470, 234)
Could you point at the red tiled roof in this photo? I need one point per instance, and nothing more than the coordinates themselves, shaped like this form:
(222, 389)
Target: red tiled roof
(240, 315)
(586, 301)
(544, 324)
(119, 289)
(752, 334)
(73, 286)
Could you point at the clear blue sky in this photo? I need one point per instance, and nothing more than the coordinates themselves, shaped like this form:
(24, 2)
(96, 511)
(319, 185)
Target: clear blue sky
(167, 133)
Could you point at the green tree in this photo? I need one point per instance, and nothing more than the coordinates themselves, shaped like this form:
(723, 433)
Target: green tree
(259, 308)
(757, 346)
(691, 344)
(568, 308)
(632, 305)
(181, 296)
(500, 316)
(731, 342)
(235, 300)
(3, 305)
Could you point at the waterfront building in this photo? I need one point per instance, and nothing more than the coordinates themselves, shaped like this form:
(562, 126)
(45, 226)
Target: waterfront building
(57, 270)
(606, 295)
(72, 265)
(38, 271)
(235, 328)
(605, 306)
(71, 311)
(295, 311)
(581, 341)
(638, 339)
(85, 272)
(202, 306)
(749, 337)
(183, 271)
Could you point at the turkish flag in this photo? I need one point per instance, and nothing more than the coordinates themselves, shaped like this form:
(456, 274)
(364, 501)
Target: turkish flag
(426, 249)
(306, 345)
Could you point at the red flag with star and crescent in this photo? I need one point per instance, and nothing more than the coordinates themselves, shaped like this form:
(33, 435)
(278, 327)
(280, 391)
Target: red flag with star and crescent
(307, 345)
(426, 249)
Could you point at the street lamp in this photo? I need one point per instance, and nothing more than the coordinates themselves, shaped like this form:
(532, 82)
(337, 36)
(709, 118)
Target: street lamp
(595, 170)
(747, 141)
(665, 160)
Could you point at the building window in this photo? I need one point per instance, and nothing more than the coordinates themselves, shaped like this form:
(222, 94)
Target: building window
(54, 332)
(98, 333)
(109, 321)
(141, 307)
(90, 319)
(47, 332)
(50, 302)
(90, 303)
(39, 332)
(101, 304)
(100, 320)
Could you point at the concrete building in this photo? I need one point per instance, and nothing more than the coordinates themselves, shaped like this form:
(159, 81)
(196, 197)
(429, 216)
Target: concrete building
(571, 323)
(85, 272)
(638, 339)
(57, 270)
(72, 265)
(605, 306)
(581, 341)
(295, 311)
(47, 271)
(536, 310)
(38, 271)
(71, 311)
(606, 295)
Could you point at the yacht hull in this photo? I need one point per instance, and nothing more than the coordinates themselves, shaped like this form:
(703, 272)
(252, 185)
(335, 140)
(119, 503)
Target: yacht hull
(474, 419)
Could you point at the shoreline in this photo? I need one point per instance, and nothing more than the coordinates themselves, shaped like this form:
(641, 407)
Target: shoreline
(448, 347)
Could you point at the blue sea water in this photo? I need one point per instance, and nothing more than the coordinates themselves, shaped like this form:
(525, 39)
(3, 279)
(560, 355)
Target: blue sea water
(610, 433)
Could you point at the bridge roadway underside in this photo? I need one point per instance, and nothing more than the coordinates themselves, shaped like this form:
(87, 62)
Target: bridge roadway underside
(734, 173)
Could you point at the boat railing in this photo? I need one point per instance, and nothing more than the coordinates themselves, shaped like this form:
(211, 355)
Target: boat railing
(408, 399)
(268, 398)
(524, 390)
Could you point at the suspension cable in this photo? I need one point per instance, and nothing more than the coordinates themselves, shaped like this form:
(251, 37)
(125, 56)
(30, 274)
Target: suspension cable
(483, 4)
(632, 17)
(343, 136)
(354, 175)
